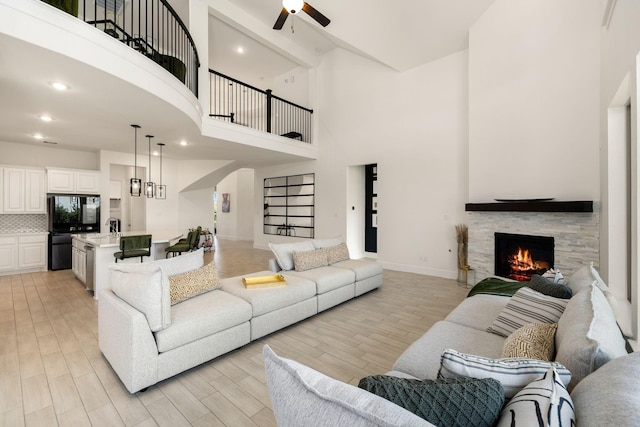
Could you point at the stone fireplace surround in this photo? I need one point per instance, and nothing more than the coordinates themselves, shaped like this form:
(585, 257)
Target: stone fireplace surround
(576, 236)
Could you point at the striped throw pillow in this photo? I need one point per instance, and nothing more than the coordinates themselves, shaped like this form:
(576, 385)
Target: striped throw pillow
(527, 306)
(514, 374)
(545, 403)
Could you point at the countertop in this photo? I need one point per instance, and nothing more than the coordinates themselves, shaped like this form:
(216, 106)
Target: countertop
(24, 233)
(109, 241)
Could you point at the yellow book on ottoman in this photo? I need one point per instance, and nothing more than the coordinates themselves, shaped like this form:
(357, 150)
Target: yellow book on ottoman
(271, 281)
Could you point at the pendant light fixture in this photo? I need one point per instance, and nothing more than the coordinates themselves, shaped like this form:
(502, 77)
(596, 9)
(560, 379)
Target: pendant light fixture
(161, 190)
(135, 184)
(149, 187)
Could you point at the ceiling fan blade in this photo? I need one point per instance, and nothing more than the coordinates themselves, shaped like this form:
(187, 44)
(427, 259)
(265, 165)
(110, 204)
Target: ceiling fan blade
(281, 18)
(312, 12)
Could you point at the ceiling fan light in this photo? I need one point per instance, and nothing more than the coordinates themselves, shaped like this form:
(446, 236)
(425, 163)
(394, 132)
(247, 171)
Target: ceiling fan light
(293, 6)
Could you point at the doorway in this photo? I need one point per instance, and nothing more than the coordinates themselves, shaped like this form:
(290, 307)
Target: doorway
(371, 208)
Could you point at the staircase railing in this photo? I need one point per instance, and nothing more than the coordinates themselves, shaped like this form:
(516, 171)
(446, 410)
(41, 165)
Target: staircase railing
(243, 104)
(152, 27)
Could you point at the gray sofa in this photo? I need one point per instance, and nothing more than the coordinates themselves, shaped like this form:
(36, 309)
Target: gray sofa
(146, 339)
(599, 377)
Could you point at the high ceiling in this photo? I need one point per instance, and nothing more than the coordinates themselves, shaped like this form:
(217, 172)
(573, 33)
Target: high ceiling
(96, 116)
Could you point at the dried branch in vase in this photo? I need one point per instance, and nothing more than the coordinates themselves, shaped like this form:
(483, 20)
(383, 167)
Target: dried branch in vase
(462, 235)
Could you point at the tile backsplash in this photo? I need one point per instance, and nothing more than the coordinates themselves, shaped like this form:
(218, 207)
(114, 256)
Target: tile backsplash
(23, 223)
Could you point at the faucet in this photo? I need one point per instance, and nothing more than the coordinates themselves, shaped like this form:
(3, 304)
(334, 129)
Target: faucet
(112, 228)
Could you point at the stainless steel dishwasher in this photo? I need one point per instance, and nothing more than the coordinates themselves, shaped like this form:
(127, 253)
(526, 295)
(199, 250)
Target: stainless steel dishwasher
(90, 262)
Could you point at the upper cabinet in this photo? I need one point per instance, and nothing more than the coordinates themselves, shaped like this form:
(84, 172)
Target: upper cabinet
(23, 191)
(73, 181)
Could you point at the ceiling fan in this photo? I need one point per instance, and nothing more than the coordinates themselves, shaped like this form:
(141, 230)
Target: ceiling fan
(295, 6)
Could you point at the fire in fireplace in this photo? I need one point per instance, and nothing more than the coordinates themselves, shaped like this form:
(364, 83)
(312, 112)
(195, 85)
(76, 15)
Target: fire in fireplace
(519, 256)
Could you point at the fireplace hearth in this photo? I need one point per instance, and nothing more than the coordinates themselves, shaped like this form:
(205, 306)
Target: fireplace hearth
(519, 256)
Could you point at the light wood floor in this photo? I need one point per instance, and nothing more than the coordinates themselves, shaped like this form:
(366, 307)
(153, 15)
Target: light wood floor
(52, 372)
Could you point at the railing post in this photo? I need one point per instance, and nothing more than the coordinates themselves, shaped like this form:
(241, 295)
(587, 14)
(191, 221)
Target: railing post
(269, 110)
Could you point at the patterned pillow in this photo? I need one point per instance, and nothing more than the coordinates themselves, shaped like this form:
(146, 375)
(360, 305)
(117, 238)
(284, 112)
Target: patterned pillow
(527, 306)
(533, 341)
(544, 402)
(195, 282)
(306, 260)
(549, 287)
(478, 401)
(337, 253)
(514, 374)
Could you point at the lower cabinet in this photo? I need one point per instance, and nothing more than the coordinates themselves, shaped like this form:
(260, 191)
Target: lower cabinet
(79, 260)
(23, 252)
(8, 258)
(32, 251)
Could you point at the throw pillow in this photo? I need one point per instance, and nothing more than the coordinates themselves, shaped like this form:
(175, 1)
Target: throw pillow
(588, 335)
(513, 374)
(533, 341)
(544, 402)
(527, 306)
(337, 253)
(446, 402)
(306, 260)
(325, 243)
(284, 252)
(613, 302)
(581, 279)
(303, 397)
(192, 283)
(611, 395)
(146, 289)
(549, 287)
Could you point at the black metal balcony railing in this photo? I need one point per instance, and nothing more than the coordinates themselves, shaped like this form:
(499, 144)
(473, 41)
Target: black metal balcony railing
(152, 27)
(243, 104)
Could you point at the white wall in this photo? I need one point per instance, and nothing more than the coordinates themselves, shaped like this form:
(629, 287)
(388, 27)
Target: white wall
(41, 155)
(533, 100)
(620, 45)
(414, 126)
(196, 209)
(237, 224)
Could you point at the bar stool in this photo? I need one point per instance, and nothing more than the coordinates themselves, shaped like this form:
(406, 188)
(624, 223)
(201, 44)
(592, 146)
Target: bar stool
(134, 246)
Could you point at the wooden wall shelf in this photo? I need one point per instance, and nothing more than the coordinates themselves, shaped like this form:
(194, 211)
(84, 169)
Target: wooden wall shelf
(534, 206)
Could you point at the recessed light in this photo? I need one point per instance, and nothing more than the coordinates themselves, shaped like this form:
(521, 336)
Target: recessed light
(46, 118)
(38, 136)
(59, 86)
(155, 153)
(240, 49)
(183, 143)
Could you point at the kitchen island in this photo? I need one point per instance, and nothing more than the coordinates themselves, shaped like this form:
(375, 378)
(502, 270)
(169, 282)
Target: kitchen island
(93, 253)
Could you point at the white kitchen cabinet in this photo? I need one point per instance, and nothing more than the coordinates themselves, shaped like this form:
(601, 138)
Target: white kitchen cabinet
(60, 181)
(32, 251)
(23, 191)
(79, 260)
(35, 192)
(8, 259)
(73, 181)
(87, 182)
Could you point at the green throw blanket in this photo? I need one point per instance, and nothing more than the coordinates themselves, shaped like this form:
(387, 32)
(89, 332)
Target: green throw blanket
(495, 286)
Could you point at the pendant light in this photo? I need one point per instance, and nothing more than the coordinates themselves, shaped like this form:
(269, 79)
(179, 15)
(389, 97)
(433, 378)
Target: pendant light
(161, 190)
(149, 187)
(135, 184)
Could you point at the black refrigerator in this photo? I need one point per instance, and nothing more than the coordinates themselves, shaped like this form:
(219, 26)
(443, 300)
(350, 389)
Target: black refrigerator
(69, 214)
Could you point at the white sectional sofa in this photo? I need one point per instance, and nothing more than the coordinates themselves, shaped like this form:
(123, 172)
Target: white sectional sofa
(146, 339)
(599, 377)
